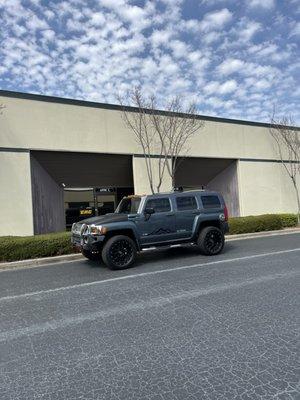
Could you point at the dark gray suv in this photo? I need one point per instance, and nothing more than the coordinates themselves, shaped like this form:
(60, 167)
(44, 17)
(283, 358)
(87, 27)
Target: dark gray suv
(196, 217)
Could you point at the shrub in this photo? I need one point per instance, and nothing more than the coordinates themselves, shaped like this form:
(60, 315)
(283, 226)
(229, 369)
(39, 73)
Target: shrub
(288, 220)
(251, 223)
(13, 248)
(259, 223)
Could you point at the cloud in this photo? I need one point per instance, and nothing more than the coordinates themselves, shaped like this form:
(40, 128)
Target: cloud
(241, 34)
(35, 23)
(215, 2)
(230, 66)
(48, 34)
(210, 37)
(179, 48)
(231, 63)
(97, 19)
(228, 87)
(263, 49)
(160, 37)
(295, 29)
(137, 16)
(215, 19)
(249, 30)
(261, 3)
(215, 87)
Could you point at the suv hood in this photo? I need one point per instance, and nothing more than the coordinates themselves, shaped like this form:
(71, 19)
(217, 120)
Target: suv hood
(104, 219)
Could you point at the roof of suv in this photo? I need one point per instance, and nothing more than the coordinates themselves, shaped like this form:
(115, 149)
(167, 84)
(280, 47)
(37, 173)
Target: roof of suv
(192, 191)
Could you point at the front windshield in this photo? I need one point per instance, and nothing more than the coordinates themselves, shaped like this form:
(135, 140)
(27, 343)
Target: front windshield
(128, 205)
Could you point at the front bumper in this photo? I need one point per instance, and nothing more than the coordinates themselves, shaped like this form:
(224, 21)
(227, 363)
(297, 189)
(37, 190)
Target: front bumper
(87, 242)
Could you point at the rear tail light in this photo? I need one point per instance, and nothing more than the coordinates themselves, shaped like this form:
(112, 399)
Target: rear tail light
(226, 213)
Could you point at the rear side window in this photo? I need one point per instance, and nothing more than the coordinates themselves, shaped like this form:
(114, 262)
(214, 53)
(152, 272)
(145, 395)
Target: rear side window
(159, 205)
(186, 203)
(211, 201)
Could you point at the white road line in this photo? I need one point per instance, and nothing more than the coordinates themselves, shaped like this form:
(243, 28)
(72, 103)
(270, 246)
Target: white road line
(149, 273)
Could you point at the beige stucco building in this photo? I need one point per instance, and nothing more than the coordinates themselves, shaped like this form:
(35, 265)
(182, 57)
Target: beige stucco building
(50, 147)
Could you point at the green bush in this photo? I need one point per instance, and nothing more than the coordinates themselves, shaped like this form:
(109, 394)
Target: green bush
(288, 220)
(259, 223)
(13, 248)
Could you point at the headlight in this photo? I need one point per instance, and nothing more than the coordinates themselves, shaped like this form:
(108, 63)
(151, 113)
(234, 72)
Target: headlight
(98, 230)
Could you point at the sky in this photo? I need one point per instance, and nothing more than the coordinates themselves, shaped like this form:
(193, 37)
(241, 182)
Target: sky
(233, 58)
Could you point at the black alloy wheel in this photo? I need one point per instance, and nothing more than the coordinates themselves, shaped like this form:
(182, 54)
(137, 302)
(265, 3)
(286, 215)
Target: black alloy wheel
(211, 240)
(119, 252)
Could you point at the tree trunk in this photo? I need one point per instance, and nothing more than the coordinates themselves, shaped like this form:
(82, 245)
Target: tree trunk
(298, 200)
(173, 181)
(149, 173)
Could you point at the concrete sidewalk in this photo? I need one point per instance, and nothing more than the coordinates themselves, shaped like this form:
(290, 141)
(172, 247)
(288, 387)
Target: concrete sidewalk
(38, 262)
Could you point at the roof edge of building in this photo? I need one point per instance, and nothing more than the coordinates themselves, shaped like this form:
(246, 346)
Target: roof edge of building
(117, 107)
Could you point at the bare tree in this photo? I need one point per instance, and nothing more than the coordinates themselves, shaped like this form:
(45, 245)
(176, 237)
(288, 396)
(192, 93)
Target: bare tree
(175, 126)
(140, 123)
(287, 140)
(164, 134)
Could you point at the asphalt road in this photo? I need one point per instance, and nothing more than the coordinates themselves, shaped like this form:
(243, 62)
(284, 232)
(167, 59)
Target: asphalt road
(176, 326)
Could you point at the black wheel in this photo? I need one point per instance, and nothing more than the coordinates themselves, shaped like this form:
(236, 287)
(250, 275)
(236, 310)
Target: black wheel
(91, 255)
(119, 252)
(211, 241)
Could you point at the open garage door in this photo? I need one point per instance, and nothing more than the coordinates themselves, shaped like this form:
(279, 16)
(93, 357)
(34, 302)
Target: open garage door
(55, 173)
(211, 173)
(87, 170)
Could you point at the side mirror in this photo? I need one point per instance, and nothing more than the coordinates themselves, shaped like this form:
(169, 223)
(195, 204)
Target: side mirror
(149, 211)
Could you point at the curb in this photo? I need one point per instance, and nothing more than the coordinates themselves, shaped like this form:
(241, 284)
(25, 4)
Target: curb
(39, 262)
(254, 235)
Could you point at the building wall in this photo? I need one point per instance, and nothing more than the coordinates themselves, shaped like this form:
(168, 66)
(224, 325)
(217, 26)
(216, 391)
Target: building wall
(48, 201)
(265, 187)
(226, 183)
(15, 194)
(53, 126)
(141, 183)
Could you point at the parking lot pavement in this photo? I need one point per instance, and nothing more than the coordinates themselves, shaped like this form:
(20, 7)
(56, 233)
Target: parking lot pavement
(177, 326)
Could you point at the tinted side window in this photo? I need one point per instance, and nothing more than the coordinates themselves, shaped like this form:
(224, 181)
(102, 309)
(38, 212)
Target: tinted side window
(186, 203)
(129, 206)
(210, 201)
(159, 205)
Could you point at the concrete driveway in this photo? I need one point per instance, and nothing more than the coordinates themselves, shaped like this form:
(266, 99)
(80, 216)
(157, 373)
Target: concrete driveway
(176, 326)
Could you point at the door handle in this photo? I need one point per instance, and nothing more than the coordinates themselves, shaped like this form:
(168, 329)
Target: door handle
(133, 217)
(170, 215)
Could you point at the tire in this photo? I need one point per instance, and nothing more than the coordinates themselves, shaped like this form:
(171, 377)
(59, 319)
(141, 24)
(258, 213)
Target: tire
(211, 241)
(119, 252)
(91, 256)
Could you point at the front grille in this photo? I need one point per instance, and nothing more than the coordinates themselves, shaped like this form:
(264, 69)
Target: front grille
(84, 229)
(76, 229)
(75, 239)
